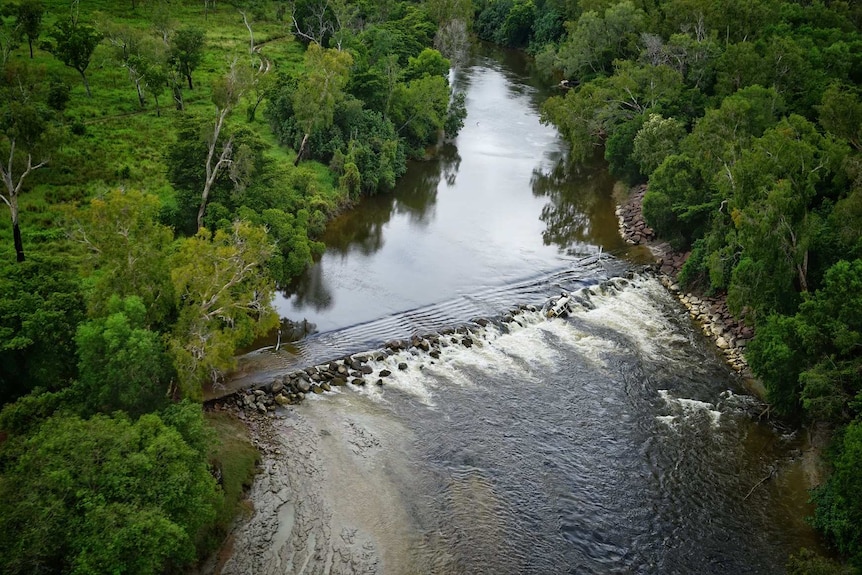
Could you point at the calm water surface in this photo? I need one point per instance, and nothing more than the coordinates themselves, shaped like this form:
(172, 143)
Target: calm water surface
(497, 207)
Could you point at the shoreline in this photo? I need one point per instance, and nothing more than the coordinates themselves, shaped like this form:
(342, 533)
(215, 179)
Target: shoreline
(729, 335)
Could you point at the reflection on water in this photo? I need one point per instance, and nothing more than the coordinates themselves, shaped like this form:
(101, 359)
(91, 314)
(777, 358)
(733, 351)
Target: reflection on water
(497, 206)
(580, 211)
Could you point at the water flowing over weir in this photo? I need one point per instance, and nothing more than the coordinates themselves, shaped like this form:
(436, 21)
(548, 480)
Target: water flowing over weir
(613, 440)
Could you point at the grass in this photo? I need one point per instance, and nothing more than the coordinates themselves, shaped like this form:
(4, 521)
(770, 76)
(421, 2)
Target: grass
(237, 458)
(123, 145)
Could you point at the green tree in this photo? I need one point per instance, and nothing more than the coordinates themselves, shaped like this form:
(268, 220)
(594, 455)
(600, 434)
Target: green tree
(226, 94)
(839, 501)
(841, 113)
(25, 139)
(596, 40)
(224, 294)
(657, 139)
(186, 51)
(318, 92)
(29, 15)
(103, 495)
(74, 44)
(128, 250)
(41, 305)
(122, 364)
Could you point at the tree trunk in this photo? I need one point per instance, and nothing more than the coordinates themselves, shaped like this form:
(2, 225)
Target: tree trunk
(86, 84)
(301, 150)
(178, 97)
(30, 42)
(16, 232)
(189, 78)
(140, 91)
(158, 110)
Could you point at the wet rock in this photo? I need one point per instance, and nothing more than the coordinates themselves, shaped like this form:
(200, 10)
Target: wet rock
(358, 381)
(282, 400)
(338, 381)
(435, 353)
(402, 366)
(316, 389)
(379, 382)
(303, 385)
(385, 373)
(467, 341)
(325, 386)
(277, 386)
(366, 369)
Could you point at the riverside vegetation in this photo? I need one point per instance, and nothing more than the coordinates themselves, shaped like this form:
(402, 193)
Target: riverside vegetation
(165, 165)
(745, 121)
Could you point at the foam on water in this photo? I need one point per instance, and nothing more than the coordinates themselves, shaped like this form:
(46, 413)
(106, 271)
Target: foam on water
(687, 409)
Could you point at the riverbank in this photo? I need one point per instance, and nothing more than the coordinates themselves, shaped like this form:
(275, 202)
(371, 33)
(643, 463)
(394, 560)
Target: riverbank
(730, 335)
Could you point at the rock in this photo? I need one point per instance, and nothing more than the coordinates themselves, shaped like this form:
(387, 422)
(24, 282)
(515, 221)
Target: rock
(341, 370)
(435, 353)
(338, 381)
(261, 407)
(303, 385)
(366, 369)
(379, 382)
(721, 343)
(325, 386)
(282, 400)
(385, 373)
(277, 386)
(259, 392)
(316, 389)
(355, 364)
(467, 341)
(402, 366)
(358, 381)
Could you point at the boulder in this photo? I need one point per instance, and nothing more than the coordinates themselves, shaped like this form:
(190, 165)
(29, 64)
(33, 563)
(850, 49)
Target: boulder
(303, 385)
(277, 386)
(402, 366)
(282, 400)
(385, 373)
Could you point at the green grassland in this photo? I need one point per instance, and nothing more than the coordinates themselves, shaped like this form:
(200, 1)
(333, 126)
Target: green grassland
(111, 142)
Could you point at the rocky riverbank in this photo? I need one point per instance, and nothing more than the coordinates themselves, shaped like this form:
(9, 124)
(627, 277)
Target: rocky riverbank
(730, 335)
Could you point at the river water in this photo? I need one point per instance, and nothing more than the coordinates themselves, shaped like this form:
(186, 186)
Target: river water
(613, 441)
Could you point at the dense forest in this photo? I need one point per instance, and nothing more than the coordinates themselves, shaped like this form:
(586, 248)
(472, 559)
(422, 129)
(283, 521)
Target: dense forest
(165, 165)
(744, 118)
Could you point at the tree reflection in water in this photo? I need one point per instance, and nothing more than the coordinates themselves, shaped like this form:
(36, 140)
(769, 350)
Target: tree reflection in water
(360, 229)
(579, 215)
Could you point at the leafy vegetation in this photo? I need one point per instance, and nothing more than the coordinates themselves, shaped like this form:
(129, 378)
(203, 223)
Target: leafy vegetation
(744, 119)
(153, 211)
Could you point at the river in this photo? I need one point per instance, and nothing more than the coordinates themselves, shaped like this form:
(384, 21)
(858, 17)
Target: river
(614, 441)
